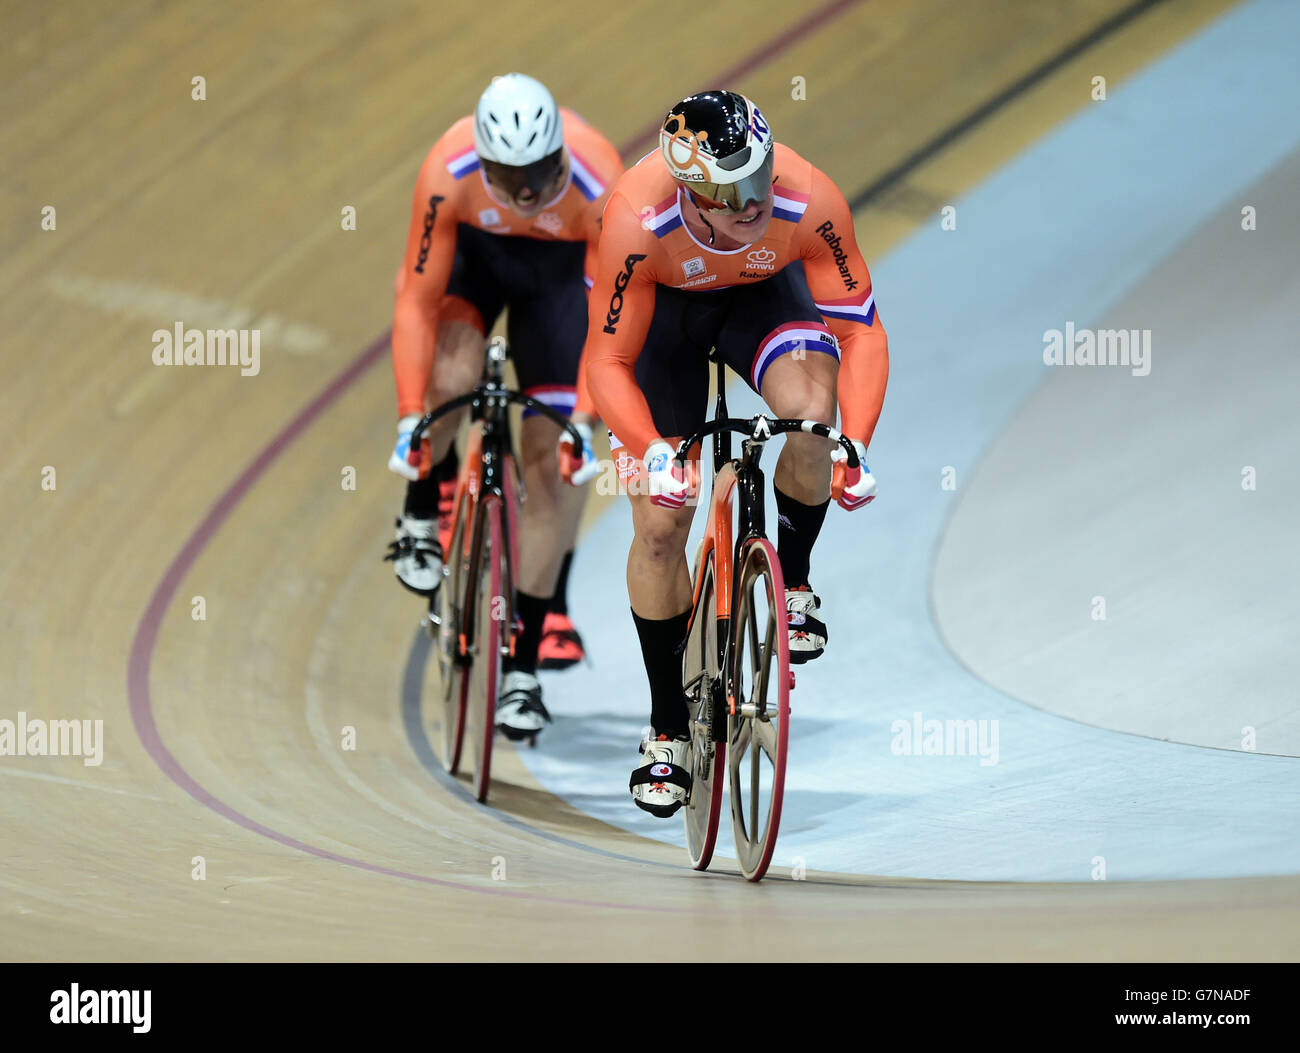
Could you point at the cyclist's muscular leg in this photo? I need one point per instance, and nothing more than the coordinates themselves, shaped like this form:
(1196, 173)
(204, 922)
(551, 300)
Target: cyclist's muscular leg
(803, 387)
(659, 587)
(424, 526)
(457, 367)
(549, 518)
(658, 577)
(548, 524)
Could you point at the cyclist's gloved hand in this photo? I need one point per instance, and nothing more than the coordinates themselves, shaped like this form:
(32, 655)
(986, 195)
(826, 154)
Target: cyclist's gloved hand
(669, 480)
(577, 467)
(852, 487)
(400, 461)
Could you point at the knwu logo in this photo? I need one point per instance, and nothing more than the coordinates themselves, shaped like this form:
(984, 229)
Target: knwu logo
(762, 259)
(550, 222)
(620, 283)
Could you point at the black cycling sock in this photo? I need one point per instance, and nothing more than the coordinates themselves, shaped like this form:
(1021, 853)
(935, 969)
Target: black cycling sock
(422, 494)
(560, 601)
(532, 612)
(797, 528)
(661, 639)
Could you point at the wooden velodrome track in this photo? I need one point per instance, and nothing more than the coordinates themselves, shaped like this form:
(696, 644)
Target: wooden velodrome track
(222, 735)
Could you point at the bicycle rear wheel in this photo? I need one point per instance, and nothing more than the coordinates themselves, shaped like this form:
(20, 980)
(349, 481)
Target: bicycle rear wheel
(491, 609)
(758, 732)
(699, 680)
(452, 665)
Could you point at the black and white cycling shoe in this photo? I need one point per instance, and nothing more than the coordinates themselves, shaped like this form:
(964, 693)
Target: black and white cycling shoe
(416, 555)
(661, 781)
(807, 631)
(520, 713)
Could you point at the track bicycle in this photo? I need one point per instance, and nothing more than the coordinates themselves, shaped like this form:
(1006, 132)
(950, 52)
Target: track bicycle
(471, 617)
(736, 662)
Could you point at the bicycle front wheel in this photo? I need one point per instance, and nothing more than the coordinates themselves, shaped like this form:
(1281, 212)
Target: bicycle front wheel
(708, 755)
(759, 688)
(452, 662)
(491, 609)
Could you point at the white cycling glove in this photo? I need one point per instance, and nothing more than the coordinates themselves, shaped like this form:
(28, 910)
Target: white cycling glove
(578, 467)
(669, 481)
(852, 487)
(398, 462)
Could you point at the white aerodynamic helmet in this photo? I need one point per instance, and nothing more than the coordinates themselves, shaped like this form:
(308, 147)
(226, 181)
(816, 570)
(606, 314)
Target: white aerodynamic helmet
(517, 122)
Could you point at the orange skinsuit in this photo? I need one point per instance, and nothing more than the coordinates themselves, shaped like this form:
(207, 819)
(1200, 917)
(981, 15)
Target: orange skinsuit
(451, 190)
(645, 243)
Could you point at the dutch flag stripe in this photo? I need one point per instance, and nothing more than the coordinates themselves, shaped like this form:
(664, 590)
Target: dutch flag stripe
(850, 309)
(788, 205)
(787, 338)
(588, 184)
(667, 217)
(463, 163)
(557, 396)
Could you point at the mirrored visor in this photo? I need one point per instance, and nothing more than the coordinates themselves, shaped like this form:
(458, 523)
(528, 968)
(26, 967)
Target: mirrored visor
(512, 180)
(734, 197)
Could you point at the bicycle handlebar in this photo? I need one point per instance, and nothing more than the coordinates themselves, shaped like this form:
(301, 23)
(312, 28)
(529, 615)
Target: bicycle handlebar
(762, 428)
(484, 392)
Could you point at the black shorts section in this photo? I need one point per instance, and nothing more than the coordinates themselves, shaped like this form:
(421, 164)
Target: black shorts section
(540, 285)
(673, 370)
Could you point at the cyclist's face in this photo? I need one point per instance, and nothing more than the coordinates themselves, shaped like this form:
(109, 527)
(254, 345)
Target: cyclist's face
(745, 226)
(523, 201)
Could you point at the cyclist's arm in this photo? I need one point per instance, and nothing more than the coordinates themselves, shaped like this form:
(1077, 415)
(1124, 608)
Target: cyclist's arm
(620, 307)
(601, 159)
(426, 267)
(841, 288)
(583, 405)
(599, 155)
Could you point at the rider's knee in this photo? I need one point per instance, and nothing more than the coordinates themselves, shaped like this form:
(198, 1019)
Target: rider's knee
(809, 403)
(662, 535)
(801, 397)
(457, 363)
(541, 462)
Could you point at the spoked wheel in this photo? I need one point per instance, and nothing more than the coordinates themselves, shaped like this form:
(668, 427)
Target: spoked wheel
(758, 732)
(452, 666)
(491, 609)
(699, 679)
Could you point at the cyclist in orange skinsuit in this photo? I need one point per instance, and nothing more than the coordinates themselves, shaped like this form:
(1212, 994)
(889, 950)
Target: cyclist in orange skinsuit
(506, 215)
(724, 239)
